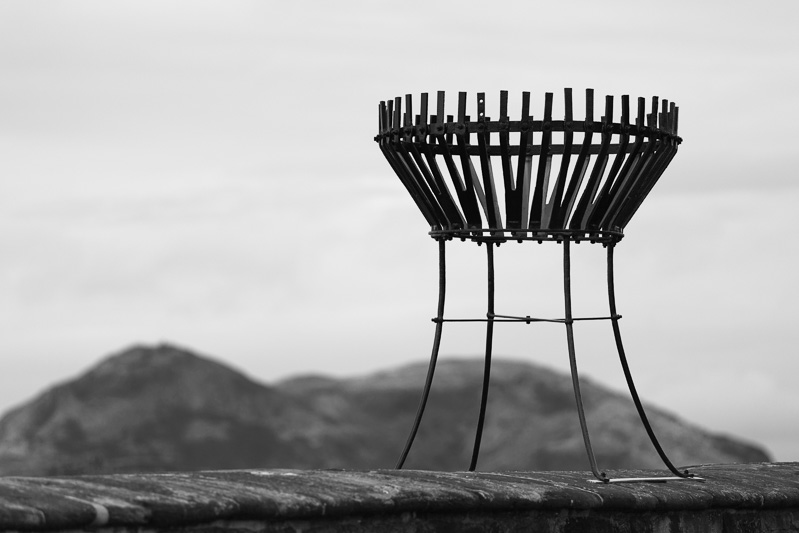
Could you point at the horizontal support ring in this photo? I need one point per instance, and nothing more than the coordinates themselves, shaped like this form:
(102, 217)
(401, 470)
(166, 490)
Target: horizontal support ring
(525, 319)
(500, 235)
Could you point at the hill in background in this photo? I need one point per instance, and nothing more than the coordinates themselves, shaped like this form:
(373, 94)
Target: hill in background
(164, 408)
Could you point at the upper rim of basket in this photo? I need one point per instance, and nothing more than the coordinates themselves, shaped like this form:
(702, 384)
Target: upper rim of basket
(661, 120)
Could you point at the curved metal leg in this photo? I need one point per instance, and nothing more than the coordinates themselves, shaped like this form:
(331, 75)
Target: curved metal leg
(567, 297)
(628, 376)
(439, 320)
(489, 345)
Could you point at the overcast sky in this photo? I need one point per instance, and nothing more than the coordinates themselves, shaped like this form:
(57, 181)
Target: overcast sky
(203, 173)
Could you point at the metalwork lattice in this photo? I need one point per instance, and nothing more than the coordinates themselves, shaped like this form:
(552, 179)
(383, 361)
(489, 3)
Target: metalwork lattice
(599, 181)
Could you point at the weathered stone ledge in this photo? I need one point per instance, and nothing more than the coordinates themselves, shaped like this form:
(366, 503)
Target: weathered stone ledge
(752, 497)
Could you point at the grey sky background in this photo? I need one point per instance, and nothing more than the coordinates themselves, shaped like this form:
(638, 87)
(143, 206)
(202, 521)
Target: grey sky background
(203, 173)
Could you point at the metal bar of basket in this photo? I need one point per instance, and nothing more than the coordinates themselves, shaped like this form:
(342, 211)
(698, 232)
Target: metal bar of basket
(431, 368)
(553, 204)
(483, 142)
(544, 167)
(410, 152)
(494, 126)
(658, 167)
(452, 127)
(580, 166)
(640, 154)
(387, 147)
(584, 206)
(422, 133)
(534, 150)
(489, 346)
(428, 165)
(573, 361)
(415, 176)
(642, 182)
(524, 164)
(469, 172)
(617, 193)
(667, 149)
(410, 158)
(513, 204)
(604, 197)
(466, 197)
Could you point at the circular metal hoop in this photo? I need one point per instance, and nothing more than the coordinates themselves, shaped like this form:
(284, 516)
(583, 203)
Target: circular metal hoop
(480, 235)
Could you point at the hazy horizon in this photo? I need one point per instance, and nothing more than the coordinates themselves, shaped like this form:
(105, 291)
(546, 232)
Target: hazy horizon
(204, 173)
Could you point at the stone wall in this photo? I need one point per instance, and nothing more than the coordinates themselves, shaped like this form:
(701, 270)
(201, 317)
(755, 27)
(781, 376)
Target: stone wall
(733, 498)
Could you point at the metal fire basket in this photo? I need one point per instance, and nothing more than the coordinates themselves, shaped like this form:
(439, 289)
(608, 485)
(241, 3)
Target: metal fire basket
(563, 180)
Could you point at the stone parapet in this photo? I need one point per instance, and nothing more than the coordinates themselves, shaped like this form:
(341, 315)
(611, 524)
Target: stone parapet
(733, 498)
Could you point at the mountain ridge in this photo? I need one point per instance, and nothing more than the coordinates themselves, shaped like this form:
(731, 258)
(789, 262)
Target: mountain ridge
(166, 408)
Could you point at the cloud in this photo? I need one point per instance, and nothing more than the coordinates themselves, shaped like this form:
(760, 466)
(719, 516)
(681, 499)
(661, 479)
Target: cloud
(205, 173)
